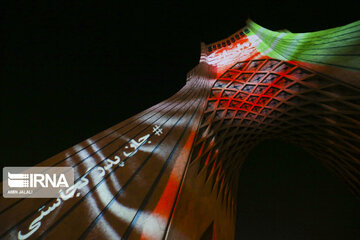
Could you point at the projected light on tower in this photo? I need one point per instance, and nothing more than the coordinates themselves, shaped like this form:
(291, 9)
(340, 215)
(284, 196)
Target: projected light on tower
(171, 171)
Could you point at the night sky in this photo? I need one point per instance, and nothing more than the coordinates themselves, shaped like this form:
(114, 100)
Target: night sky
(73, 69)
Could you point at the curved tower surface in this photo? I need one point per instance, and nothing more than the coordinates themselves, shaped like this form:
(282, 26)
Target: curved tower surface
(171, 171)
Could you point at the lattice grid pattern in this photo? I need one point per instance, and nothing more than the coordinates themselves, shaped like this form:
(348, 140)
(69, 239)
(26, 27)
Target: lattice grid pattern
(267, 99)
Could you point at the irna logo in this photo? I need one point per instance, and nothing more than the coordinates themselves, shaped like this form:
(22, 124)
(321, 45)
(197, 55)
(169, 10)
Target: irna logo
(36, 182)
(20, 180)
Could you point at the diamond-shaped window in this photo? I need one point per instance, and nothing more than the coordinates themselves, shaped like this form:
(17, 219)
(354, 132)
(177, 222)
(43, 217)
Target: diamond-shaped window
(228, 94)
(254, 65)
(248, 88)
(283, 95)
(283, 82)
(236, 85)
(229, 74)
(220, 84)
(241, 95)
(299, 73)
(259, 89)
(234, 104)
(244, 77)
(284, 67)
(256, 109)
(273, 103)
(271, 91)
(239, 65)
(297, 87)
(269, 65)
(252, 99)
(223, 103)
(215, 93)
(263, 100)
(251, 115)
(246, 106)
(270, 78)
(230, 113)
(257, 77)
(265, 111)
(240, 113)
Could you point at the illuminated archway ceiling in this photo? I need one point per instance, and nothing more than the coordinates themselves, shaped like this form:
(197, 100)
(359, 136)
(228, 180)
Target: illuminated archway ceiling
(266, 99)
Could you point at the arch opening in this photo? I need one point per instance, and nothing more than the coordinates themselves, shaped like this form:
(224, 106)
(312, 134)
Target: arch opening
(285, 193)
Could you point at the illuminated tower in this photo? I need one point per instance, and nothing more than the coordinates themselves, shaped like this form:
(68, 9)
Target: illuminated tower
(171, 171)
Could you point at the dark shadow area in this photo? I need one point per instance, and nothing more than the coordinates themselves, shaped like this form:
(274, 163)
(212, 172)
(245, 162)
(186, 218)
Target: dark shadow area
(73, 69)
(285, 193)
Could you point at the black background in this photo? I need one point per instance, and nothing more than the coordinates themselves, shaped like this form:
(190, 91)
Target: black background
(72, 69)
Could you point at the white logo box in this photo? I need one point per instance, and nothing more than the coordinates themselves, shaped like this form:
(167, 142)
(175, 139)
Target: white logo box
(36, 182)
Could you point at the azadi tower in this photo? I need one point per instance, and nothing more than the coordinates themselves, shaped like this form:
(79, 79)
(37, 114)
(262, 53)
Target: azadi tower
(171, 171)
